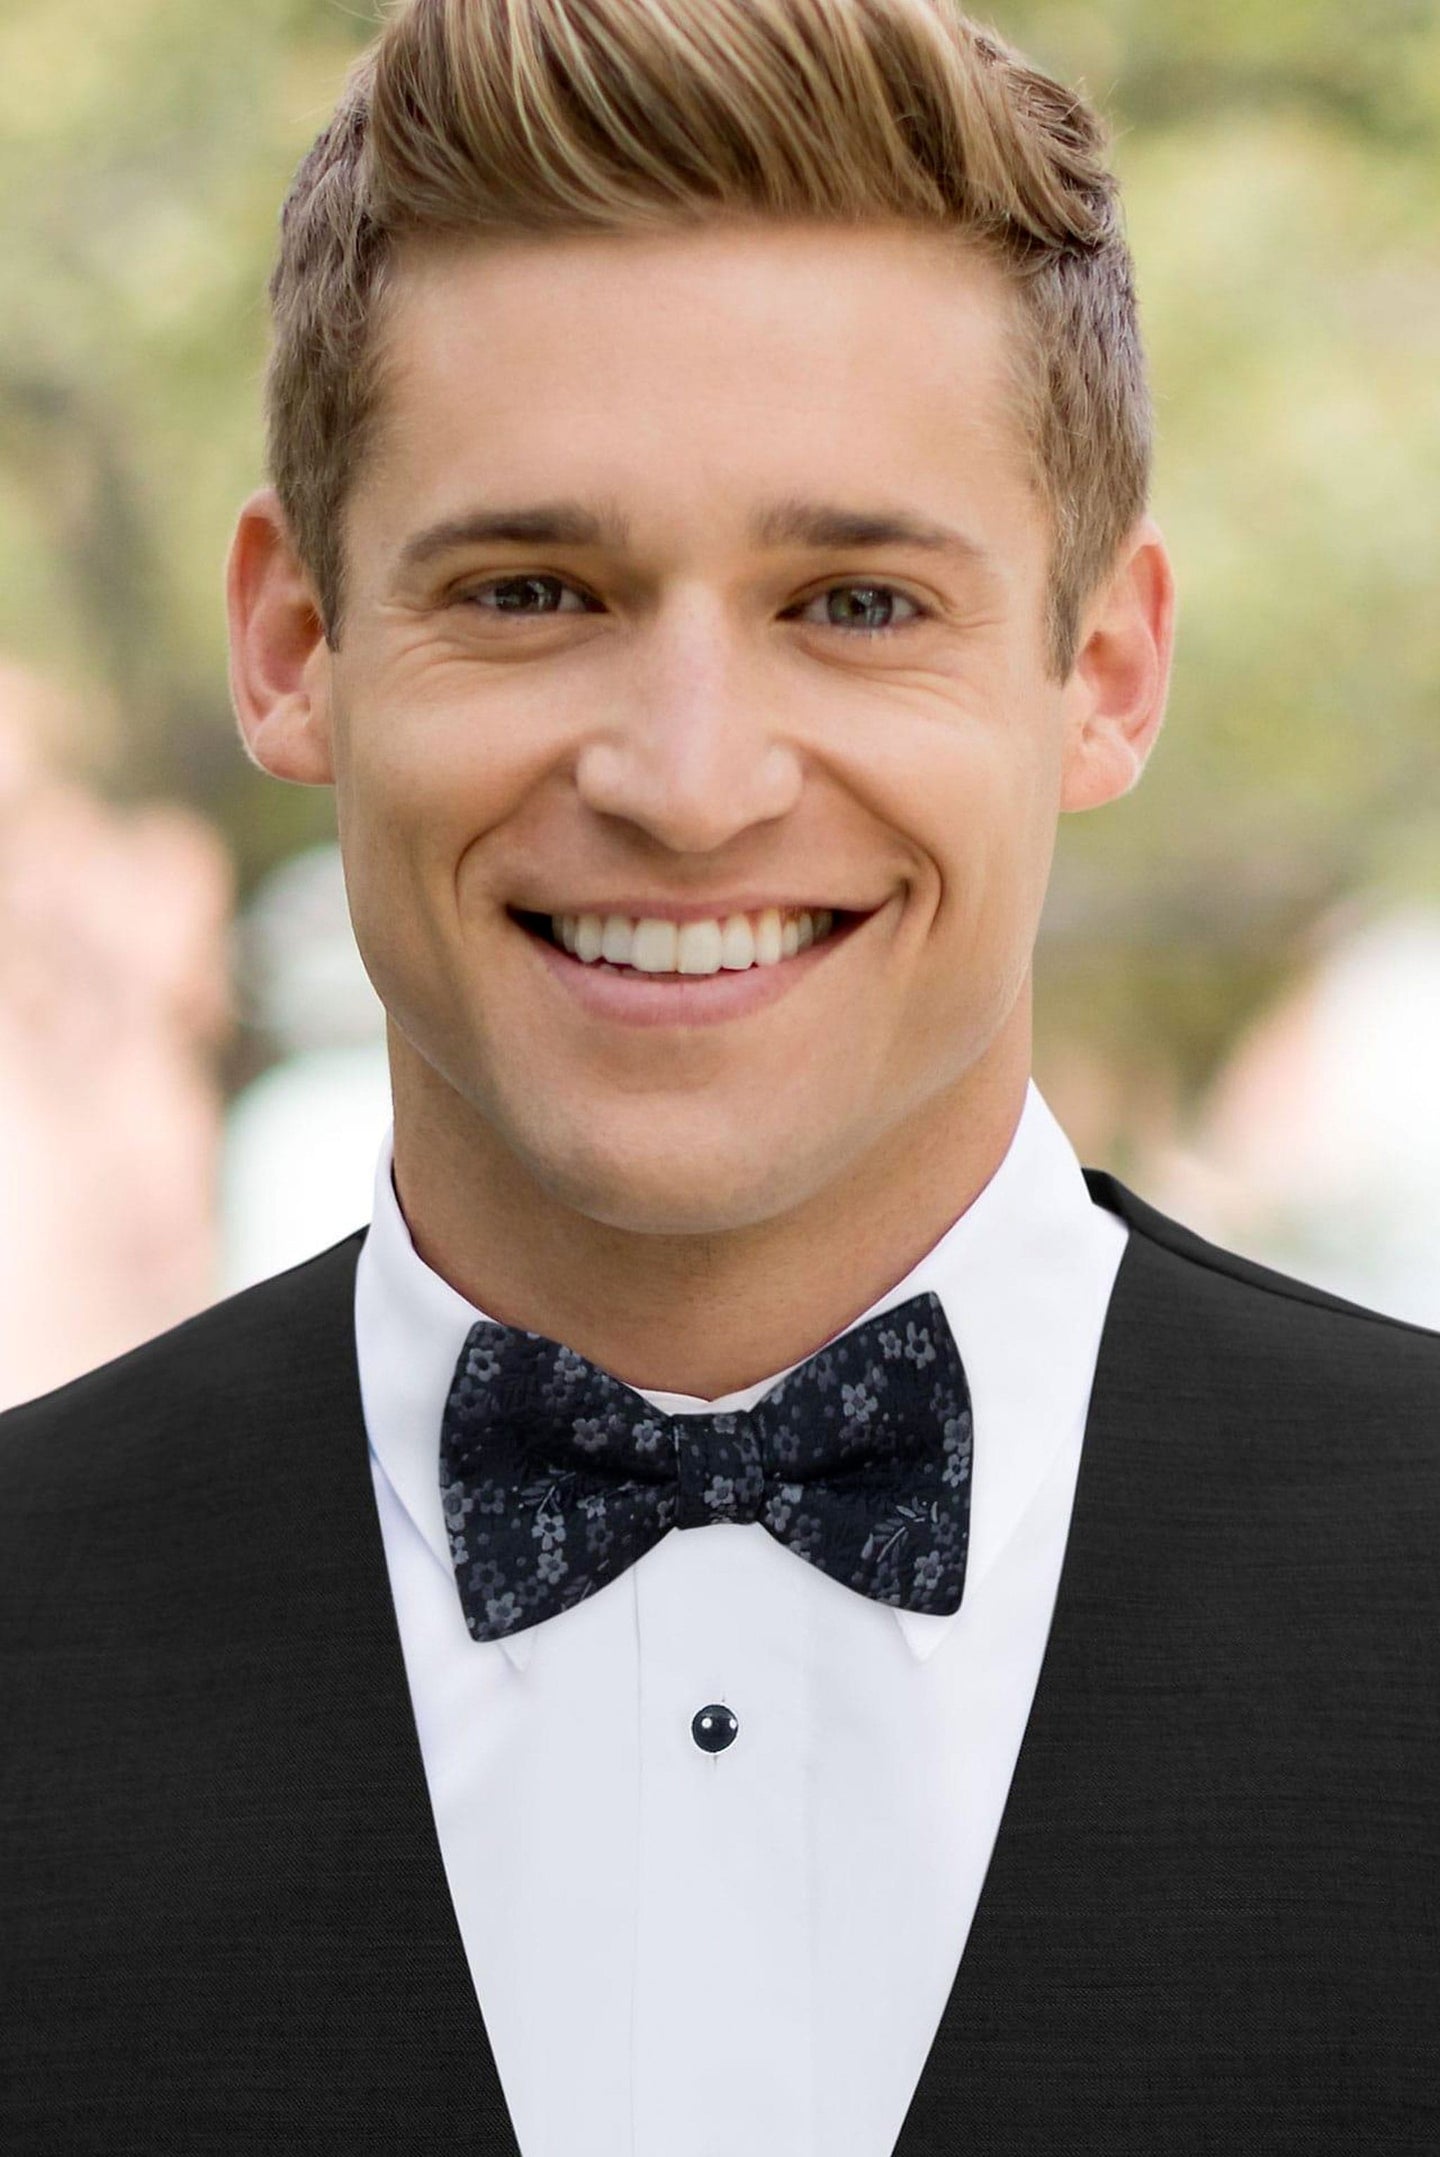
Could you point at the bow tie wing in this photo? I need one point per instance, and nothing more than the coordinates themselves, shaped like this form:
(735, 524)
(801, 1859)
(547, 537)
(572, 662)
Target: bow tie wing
(868, 1450)
(555, 1477)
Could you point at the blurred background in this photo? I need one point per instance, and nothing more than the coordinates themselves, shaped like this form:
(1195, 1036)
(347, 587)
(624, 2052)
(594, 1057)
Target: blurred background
(1239, 977)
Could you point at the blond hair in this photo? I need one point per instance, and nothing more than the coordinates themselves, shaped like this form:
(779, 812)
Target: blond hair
(505, 117)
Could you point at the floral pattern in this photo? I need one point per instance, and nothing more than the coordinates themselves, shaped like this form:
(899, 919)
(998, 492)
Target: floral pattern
(556, 1476)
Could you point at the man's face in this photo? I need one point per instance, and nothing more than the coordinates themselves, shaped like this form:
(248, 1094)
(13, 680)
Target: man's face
(682, 693)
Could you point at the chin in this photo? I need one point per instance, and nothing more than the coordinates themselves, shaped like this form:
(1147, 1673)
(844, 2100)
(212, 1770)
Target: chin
(678, 1190)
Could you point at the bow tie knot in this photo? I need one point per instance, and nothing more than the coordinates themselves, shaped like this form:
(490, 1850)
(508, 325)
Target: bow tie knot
(720, 1470)
(557, 1476)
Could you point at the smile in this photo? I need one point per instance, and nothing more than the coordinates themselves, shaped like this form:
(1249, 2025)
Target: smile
(652, 944)
(654, 970)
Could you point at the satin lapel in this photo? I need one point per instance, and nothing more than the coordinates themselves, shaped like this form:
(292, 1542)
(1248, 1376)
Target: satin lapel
(374, 1915)
(1026, 2036)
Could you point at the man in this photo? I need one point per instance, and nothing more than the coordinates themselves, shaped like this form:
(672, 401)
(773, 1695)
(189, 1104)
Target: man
(755, 1609)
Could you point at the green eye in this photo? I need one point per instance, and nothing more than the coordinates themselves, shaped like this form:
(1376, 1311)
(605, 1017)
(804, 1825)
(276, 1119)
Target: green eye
(868, 601)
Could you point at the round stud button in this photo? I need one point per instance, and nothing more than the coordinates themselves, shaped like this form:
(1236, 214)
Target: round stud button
(713, 1728)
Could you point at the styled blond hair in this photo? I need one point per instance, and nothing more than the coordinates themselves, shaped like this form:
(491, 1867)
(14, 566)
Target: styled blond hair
(506, 117)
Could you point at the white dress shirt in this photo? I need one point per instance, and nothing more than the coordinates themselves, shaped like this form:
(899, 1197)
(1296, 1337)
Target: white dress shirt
(681, 1953)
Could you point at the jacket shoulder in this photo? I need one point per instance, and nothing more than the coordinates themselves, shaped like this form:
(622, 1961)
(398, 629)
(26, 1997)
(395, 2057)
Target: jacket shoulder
(1171, 1235)
(212, 1381)
(1242, 1328)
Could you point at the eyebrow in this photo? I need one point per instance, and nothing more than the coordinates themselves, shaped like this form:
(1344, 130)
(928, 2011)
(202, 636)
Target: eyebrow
(790, 522)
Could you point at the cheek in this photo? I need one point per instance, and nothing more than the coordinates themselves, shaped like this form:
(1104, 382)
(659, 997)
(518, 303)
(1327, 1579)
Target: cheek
(421, 780)
(987, 805)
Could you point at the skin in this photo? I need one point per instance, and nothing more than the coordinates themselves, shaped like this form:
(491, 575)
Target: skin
(690, 720)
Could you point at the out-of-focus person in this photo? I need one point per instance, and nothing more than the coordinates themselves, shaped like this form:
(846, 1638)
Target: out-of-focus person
(113, 1003)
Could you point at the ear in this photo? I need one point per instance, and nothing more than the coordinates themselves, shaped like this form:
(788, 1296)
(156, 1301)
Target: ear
(1114, 700)
(279, 660)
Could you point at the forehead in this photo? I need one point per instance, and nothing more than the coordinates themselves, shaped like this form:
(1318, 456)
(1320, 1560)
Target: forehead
(695, 369)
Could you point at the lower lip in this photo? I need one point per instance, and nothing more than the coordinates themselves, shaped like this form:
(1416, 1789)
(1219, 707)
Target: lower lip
(683, 1000)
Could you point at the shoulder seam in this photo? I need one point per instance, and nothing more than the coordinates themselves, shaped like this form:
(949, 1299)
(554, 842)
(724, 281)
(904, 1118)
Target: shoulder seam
(1321, 1301)
(1185, 1243)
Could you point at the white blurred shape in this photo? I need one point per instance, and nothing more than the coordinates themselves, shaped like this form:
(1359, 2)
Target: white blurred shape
(298, 1162)
(300, 975)
(298, 1159)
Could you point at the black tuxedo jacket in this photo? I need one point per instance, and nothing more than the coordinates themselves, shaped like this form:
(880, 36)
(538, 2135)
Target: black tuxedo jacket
(1210, 1922)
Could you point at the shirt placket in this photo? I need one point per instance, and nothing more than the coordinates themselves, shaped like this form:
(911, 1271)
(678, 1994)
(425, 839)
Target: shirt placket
(722, 2015)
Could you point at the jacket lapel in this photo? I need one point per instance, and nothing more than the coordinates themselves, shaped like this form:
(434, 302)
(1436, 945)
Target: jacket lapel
(358, 1913)
(1153, 1962)
(1055, 1922)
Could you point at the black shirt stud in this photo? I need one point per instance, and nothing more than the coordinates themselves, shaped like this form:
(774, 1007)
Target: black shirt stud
(713, 1728)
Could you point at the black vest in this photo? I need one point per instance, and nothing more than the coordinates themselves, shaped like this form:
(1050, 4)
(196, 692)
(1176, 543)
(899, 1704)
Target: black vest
(1211, 1920)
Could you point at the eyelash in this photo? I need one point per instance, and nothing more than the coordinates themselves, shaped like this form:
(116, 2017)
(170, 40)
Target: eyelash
(857, 584)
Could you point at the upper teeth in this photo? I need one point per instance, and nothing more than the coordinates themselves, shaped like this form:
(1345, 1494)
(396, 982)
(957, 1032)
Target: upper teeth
(653, 946)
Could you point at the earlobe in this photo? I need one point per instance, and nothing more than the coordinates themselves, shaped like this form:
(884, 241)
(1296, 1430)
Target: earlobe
(1115, 698)
(279, 660)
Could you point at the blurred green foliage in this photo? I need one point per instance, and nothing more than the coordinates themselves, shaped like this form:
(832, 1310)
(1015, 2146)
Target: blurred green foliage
(1282, 174)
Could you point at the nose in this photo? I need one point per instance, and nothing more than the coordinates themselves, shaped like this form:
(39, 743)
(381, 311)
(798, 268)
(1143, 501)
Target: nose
(698, 752)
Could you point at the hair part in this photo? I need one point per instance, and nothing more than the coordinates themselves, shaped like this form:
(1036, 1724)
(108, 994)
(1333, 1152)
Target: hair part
(506, 118)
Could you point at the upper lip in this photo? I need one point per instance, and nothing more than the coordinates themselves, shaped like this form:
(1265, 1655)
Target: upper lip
(689, 910)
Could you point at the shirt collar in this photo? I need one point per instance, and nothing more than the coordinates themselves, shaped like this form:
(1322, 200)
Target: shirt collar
(1024, 1277)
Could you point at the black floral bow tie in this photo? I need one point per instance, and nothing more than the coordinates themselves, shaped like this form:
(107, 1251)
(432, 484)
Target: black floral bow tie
(556, 1476)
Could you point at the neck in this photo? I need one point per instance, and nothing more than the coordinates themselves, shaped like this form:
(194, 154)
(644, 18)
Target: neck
(699, 1314)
